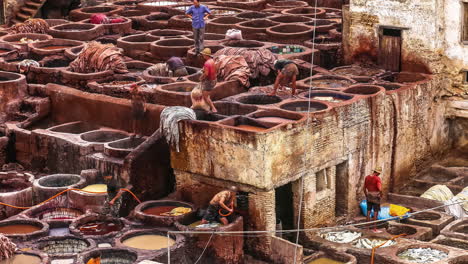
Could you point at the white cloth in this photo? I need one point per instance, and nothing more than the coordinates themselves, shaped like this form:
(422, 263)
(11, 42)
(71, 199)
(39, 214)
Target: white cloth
(234, 34)
(169, 124)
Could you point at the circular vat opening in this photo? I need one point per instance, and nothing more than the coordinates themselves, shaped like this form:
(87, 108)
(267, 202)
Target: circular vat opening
(14, 227)
(112, 255)
(462, 229)
(166, 208)
(285, 29)
(363, 89)
(326, 82)
(284, 4)
(319, 22)
(259, 99)
(102, 136)
(427, 216)
(244, 44)
(56, 44)
(371, 242)
(59, 180)
(409, 77)
(179, 87)
(356, 70)
(168, 33)
(148, 240)
(127, 143)
(160, 3)
(226, 20)
(56, 63)
(328, 96)
(454, 243)
(158, 17)
(133, 13)
(175, 42)
(14, 184)
(398, 230)
(422, 254)
(125, 3)
(259, 23)
(254, 15)
(290, 19)
(97, 9)
(135, 38)
(390, 86)
(213, 36)
(224, 12)
(24, 38)
(287, 49)
(303, 11)
(64, 246)
(20, 258)
(74, 27)
(304, 106)
(59, 213)
(100, 227)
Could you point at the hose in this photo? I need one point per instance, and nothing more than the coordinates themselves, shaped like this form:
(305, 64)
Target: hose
(376, 247)
(64, 191)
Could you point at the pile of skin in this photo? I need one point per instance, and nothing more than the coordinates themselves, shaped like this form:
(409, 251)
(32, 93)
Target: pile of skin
(7, 248)
(35, 25)
(97, 57)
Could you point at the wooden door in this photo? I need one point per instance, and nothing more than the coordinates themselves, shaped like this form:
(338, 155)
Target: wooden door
(390, 52)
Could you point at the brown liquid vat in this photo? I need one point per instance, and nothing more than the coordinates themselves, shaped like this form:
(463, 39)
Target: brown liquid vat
(24, 229)
(304, 106)
(15, 39)
(158, 34)
(157, 220)
(290, 19)
(194, 75)
(221, 24)
(230, 108)
(276, 116)
(166, 48)
(9, 51)
(103, 136)
(254, 15)
(76, 227)
(77, 31)
(247, 124)
(256, 26)
(322, 25)
(332, 97)
(53, 46)
(358, 73)
(156, 20)
(121, 28)
(259, 99)
(290, 33)
(87, 12)
(244, 4)
(286, 4)
(174, 94)
(327, 82)
(121, 148)
(363, 89)
(306, 12)
(30, 256)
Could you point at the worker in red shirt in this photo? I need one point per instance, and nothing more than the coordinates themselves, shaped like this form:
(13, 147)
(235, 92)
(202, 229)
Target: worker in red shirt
(373, 192)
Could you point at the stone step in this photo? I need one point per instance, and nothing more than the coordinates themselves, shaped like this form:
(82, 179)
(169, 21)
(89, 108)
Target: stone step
(30, 11)
(32, 5)
(15, 21)
(22, 16)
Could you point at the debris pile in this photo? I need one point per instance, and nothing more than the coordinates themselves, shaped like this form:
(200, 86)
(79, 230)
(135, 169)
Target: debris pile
(341, 236)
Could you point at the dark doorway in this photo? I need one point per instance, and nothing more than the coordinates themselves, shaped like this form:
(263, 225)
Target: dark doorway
(390, 49)
(341, 189)
(284, 206)
(2, 12)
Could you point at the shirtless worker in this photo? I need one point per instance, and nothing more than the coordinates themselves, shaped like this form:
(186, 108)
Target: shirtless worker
(138, 107)
(287, 73)
(222, 200)
(373, 192)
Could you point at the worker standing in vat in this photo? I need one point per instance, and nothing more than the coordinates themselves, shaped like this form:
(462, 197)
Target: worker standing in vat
(114, 197)
(138, 107)
(198, 13)
(177, 66)
(373, 192)
(208, 78)
(287, 73)
(223, 200)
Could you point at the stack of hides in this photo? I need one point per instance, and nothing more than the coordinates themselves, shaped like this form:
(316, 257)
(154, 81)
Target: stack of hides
(97, 57)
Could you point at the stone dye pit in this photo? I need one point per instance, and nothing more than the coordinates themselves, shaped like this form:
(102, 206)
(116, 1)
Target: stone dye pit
(377, 87)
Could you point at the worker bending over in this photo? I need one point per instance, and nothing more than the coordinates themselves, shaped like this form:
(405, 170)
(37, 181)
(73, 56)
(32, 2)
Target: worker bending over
(177, 66)
(373, 192)
(222, 200)
(287, 73)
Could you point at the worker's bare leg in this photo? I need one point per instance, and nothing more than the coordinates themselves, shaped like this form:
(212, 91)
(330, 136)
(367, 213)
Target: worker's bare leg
(224, 220)
(206, 96)
(376, 214)
(277, 83)
(368, 217)
(293, 85)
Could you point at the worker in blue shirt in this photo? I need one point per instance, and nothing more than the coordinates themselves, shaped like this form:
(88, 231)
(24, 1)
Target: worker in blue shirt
(198, 13)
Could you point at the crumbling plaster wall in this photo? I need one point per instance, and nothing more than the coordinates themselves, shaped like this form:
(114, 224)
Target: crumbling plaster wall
(11, 7)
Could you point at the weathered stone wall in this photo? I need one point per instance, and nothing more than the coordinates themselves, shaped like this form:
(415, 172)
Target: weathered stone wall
(11, 7)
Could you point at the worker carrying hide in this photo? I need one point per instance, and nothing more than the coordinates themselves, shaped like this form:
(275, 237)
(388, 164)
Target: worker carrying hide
(373, 192)
(223, 200)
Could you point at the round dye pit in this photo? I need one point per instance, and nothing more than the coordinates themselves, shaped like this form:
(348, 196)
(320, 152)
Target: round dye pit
(19, 229)
(226, 20)
(122, 148)
(305, 11)
(148, 242)
(163, 212)
(95, 188)
(98, 9)
(99, 228)
(286, 4)
(170, 211)
(64, 246)
(290, 31)
(179, 87)
(244, 44)
(7, 186)
(400, 229)
(390, 86)
(256, 25)
(326, 96)
(254, 15)
(369, 243)
(422, 255)
(56, 63)
(304, 106)
(74, 128)
(290, 19)
(160, 3)
(59, 180)
(341, 237)
(59, 214)
(103, 136)
(363, 89)
(427, 216)
(462, 229)
(109, 256)
(23, 258)
(259, 99)
(324, 260)
(74, 27)
(217, 12)
(275, 119)
(355, 70)
(168, 33)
